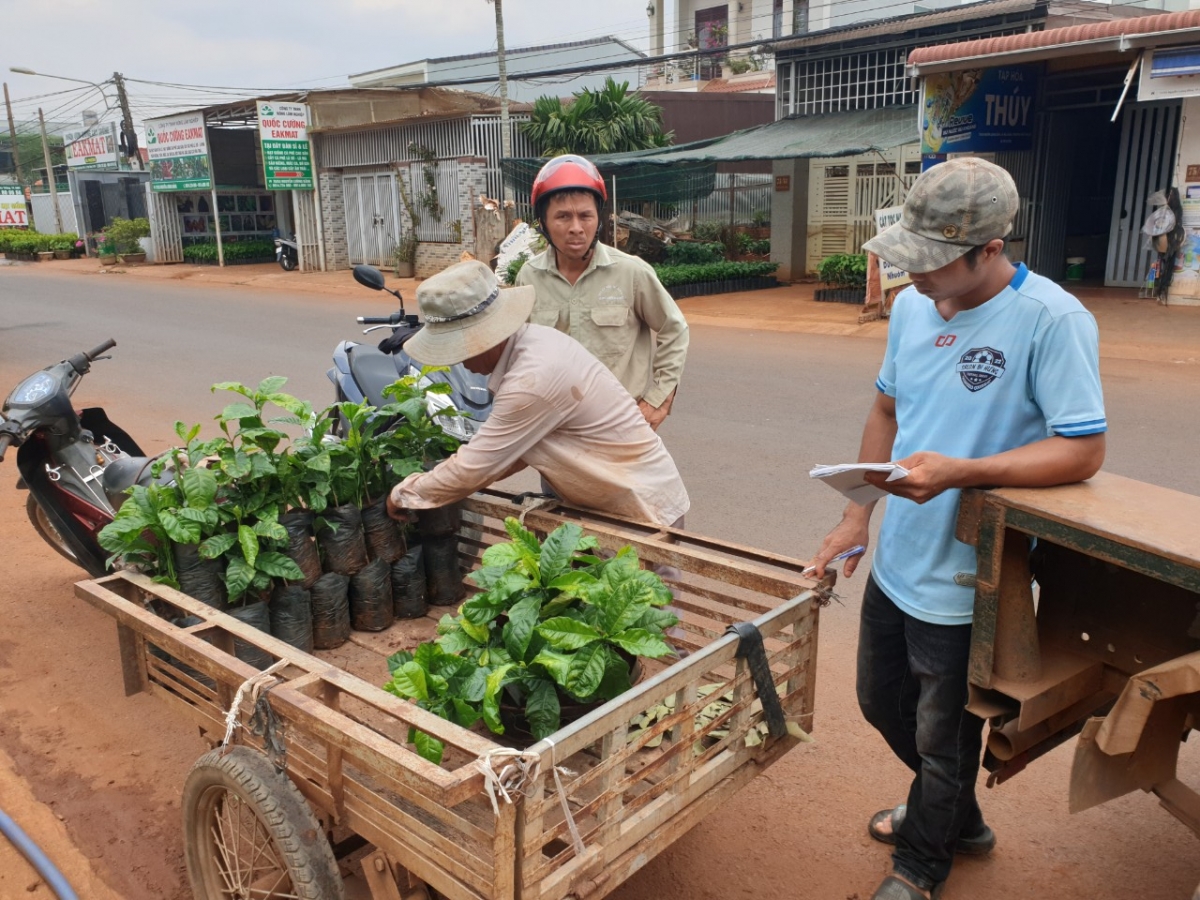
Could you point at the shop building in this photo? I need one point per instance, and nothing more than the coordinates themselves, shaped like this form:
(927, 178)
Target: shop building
(1112, 118)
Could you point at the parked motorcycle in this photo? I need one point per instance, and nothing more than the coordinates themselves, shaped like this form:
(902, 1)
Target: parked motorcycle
(287, 253)
(361, 371)
(76, 465)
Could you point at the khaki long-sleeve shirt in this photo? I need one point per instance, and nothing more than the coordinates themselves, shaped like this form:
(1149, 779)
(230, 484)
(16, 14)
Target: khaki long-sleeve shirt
(557, 409)
(620, 312)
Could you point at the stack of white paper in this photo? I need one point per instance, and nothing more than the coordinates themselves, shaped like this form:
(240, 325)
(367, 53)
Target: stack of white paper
(847, 478)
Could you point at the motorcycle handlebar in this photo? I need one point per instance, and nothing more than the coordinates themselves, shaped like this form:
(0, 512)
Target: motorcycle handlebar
(97, 350)
(393, 319)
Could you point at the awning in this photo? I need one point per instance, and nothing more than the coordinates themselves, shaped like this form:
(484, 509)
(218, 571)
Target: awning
(1176, 61)
(796, 137)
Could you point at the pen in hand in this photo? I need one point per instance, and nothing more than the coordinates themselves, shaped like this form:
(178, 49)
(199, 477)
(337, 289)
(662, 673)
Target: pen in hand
(846, 554)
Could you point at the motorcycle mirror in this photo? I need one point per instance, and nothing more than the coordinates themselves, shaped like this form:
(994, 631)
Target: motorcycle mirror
(369, 276)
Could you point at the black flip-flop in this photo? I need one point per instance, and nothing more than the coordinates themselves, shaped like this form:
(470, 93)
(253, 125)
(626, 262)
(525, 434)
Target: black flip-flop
(980, 845)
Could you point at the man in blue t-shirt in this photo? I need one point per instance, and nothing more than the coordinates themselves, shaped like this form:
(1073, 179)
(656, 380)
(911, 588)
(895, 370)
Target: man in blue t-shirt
(990, 378)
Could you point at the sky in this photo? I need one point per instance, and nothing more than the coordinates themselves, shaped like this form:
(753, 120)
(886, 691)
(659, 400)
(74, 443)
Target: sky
(251, 46)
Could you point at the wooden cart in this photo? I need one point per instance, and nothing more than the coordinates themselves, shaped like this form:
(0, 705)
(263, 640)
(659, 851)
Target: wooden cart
(1108, 648)
(353, 792)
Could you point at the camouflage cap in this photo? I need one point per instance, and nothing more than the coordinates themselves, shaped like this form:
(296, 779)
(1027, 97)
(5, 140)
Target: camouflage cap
(956, 205)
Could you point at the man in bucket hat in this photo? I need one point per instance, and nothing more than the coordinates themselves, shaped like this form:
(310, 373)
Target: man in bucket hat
(556, 408)
(990, 378)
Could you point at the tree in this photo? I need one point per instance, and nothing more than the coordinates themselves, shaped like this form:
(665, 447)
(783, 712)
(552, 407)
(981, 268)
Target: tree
(30, 148)
(608, 120)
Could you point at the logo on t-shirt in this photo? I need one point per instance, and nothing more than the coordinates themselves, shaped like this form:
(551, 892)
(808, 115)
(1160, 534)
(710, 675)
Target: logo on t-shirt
(979, 367)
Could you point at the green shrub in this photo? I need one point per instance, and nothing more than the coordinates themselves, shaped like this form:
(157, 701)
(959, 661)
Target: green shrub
(690, 253)
(126, 232)
(844, 270)
(202, 252)
(671, 276)
(235, 251)
(513, 269)
(706, 231)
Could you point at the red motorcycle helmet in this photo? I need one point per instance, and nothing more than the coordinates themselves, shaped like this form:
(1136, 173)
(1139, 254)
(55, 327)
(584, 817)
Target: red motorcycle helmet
(566, 173)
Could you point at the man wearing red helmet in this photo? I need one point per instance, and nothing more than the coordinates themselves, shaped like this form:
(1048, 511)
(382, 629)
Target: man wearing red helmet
(609, 301)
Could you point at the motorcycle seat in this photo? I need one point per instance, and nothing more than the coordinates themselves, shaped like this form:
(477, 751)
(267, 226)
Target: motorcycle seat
(127, 471)
(373, 371)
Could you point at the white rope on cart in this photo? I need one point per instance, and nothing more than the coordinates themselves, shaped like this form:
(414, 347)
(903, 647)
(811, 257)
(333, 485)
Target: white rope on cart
(254, 684)
(532, 504)
(518, 768)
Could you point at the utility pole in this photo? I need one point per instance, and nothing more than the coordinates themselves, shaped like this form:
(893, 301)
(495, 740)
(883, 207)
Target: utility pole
(505, 135)
(12, 133)
(127, 120)
(50, 174)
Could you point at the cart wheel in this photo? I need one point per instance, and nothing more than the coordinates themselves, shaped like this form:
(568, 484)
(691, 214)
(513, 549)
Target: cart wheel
(248, 833)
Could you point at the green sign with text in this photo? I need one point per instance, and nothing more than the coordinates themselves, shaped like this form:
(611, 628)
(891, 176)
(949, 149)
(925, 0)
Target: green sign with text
(283, 130)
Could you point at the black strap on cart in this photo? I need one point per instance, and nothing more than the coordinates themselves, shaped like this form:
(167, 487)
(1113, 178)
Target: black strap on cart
(751, 649)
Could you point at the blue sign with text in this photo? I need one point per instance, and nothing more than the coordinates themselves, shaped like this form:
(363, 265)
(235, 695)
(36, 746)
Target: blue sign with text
(979, 110)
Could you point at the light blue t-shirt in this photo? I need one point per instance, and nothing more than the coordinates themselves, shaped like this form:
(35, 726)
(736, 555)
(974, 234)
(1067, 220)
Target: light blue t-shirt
(1016, 370)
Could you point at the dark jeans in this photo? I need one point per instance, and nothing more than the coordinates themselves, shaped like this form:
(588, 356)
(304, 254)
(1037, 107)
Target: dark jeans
(912, 686)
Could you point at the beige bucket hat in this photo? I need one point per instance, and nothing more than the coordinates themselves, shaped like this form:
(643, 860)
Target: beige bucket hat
(466, 313)
(956, 205)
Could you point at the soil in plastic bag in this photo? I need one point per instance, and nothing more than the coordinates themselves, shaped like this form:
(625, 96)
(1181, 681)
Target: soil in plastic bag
(291, 616)
(371, 597)
(259, 616)
(198, 577)
(302, 547)
(330, 611)
(408, 584)
(385, 540)
(341, 540)
(439, 522)
(443, 571)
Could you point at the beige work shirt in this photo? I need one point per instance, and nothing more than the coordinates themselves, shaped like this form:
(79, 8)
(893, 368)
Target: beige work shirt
(557, 409)
(620, 312)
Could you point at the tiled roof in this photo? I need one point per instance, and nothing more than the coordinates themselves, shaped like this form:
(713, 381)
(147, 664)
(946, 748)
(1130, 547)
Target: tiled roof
(1056, 37)
(739, 85)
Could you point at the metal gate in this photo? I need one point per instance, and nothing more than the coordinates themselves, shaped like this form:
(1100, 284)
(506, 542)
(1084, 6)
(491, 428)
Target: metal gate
(1148, 136)
(304, 214)
(164, 226)
(372, 217)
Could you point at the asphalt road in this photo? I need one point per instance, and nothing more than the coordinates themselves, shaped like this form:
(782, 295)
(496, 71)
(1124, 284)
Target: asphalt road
(757, 409)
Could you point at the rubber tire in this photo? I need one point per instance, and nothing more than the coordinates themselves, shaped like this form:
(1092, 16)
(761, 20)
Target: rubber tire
(286, 261)
(294, 831)
(48, 532)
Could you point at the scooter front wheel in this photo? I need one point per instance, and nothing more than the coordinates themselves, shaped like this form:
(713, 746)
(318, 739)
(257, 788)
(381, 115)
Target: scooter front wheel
(286, 260)
(45, 528)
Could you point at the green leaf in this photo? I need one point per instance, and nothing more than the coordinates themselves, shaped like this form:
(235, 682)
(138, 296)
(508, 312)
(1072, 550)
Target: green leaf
(542, 709)
(278, 566)
(234, 386)
(491, 698)
(624, 605)
(236, 466)
(409, 681)
(586, 671)
(187, 435)
(397, 659)
(563, 633)
(217, 545)
(555, 663)
(640, 642)
(557, 549)
(464, 713)
(522, 619)
(480, 633)
(457, 642)
(236, 412)
(238, 577)
(657, 620)
(271, 530)
(181, 531)
(483, 608)
(318, 463)
(475, 687)
(500, 556)
(523, 538)
(428, 747)
(249, 542)
(271, 385)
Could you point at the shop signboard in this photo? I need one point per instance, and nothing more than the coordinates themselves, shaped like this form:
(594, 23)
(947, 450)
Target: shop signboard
(890, 276)
(12, 207)
(92, 148)
(178, 149)
(978, 110)
(283, 130)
